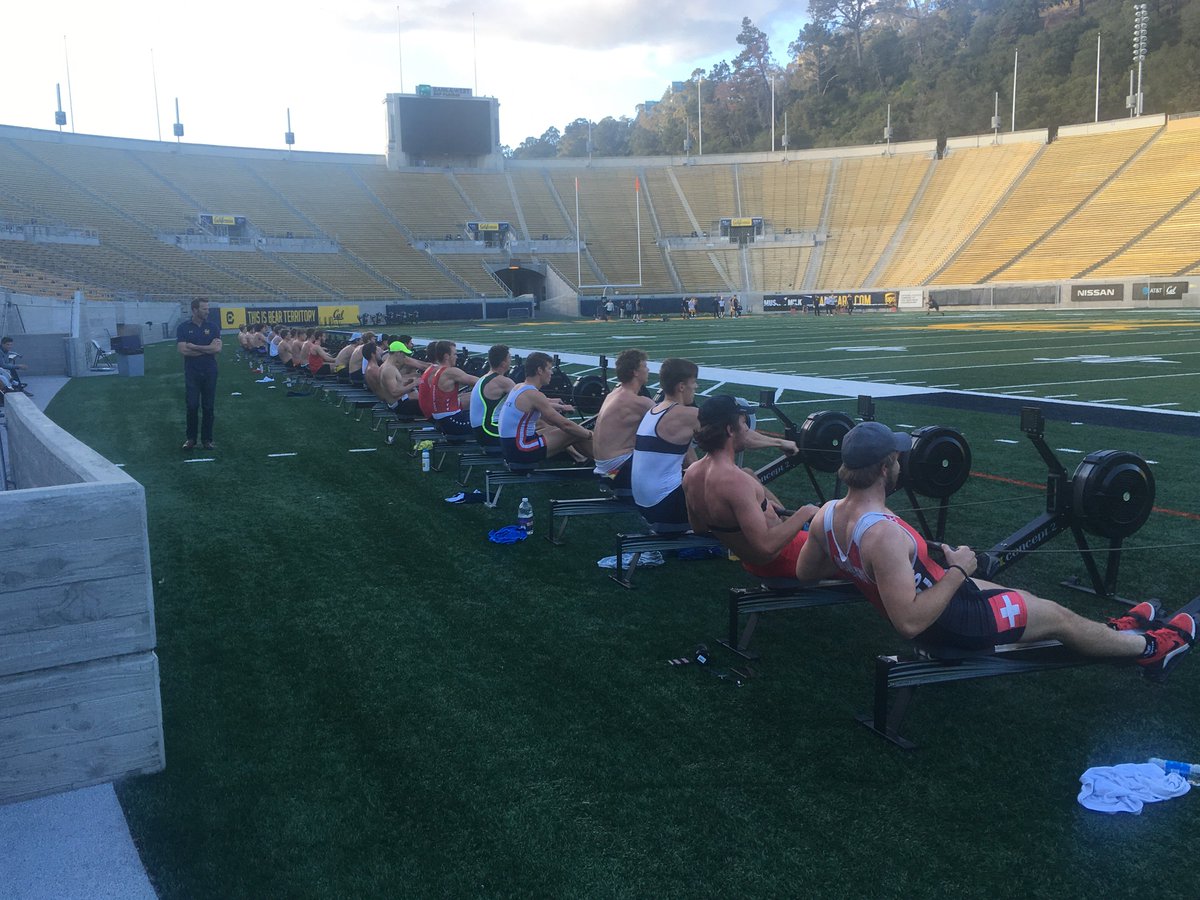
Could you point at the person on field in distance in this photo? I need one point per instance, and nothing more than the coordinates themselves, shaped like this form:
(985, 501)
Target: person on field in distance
(532, 426)
(940, 604)
(199, 342)
(615, 431)
(728, 502)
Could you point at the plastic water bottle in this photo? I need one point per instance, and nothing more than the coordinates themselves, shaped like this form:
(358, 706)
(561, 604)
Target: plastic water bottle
(525, 515)
(1190, 771)
(425, 460)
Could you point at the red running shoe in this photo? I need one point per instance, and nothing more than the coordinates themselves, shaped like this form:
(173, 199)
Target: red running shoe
(1138, 618)
(1170, 642)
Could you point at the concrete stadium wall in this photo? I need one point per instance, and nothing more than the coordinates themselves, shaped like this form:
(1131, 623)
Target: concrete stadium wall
(101, 319)
(79, 693)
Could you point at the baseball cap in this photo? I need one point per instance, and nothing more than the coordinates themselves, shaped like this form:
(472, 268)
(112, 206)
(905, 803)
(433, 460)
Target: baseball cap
(721, 409)
(869, 443)
(399, 347)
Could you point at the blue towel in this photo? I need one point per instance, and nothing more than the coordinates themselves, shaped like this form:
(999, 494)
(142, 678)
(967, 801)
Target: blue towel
(509, 534)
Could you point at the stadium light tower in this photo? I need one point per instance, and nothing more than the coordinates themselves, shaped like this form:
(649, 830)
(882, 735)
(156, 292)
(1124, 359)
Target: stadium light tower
(1141, 22)
(60, 117)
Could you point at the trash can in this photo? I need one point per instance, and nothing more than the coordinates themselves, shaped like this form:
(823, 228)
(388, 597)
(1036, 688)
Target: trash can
(131, 358)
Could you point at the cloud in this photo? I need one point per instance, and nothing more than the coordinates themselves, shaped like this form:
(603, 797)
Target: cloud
(697, 28)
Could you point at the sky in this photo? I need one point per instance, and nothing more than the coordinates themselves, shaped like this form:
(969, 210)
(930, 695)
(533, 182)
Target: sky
(237, 67)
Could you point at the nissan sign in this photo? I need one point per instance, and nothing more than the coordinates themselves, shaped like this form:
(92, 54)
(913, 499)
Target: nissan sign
(1097, 292)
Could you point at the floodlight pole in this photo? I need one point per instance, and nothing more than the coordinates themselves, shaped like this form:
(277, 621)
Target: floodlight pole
(1141, 22)
(70, 95)
(60, 117)
(1014, 103)
(154, 77)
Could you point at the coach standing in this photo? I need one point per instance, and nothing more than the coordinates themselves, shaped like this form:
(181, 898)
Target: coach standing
(199, 342)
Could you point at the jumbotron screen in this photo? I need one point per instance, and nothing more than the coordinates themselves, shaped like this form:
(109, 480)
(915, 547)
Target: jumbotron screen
(444, 126)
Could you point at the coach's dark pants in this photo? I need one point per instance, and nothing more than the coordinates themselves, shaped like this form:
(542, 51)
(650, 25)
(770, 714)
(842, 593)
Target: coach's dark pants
(201, 390)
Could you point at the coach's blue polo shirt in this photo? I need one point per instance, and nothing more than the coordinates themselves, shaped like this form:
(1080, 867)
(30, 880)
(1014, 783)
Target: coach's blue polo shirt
(200, 335)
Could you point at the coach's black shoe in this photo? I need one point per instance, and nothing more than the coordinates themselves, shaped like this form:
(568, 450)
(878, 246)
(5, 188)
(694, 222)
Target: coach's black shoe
(1165, 646)
(189, 444)
(209, 445)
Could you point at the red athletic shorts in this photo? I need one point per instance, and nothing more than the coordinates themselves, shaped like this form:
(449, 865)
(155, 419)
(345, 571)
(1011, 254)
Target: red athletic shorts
(782, 566)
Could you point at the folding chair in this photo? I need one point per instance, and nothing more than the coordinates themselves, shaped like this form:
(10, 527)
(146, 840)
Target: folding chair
(102, 360)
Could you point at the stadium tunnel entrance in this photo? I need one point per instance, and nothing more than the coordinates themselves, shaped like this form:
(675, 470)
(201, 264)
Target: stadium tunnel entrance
(524, 278)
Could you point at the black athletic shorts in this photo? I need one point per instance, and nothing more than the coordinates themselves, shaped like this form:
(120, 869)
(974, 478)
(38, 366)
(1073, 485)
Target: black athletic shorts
(522, 459)
(975, 619)
(620, 484)
(489, 443)
(407, 409)
(456, 428)
(669, 515)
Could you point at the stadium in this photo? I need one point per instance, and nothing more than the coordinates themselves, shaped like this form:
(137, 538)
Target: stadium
(310, 675)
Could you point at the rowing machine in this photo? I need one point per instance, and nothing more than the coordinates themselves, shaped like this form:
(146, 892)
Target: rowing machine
(897, 678)
(819, 440)
(1110, 495)
(936, 467)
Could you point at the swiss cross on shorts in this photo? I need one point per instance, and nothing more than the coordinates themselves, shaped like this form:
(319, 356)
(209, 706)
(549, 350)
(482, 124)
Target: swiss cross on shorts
(1008, 609)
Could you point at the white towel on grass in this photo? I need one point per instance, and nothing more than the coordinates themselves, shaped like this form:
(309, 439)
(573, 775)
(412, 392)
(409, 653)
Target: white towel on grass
(1128, 786)
(649, 558)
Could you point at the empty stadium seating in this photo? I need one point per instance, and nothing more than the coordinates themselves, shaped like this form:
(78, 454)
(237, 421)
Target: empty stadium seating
(1122, 201)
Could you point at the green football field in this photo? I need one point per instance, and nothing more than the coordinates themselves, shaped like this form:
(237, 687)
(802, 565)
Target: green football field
(363, 696)
(1136, 358)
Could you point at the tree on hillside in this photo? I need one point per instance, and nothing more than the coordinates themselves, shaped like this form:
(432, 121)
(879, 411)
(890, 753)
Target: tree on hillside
(939, 63)
(750, 79)
(855, 16)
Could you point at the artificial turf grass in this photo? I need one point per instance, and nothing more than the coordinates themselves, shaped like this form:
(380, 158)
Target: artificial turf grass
(335, 735)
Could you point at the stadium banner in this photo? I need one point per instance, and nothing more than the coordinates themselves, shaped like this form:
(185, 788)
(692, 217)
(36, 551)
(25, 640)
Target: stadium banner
(914, 299)
(1088, 292)
(857, 299)
(234, 317)
(488, 226)
(338, 316)
(224, 220)
(743, 222)
(1161, 290)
